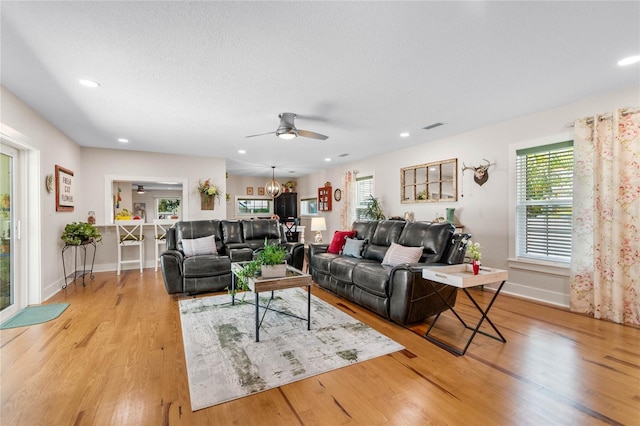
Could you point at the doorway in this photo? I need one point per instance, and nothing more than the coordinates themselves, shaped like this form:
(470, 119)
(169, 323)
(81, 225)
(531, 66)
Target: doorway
(9, 290)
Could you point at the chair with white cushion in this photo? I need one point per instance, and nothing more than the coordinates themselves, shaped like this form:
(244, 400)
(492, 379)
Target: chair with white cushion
(160, 227)
(129, 234)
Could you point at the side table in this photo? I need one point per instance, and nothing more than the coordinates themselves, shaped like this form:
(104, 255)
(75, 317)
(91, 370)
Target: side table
(461, 276)
(76, 272)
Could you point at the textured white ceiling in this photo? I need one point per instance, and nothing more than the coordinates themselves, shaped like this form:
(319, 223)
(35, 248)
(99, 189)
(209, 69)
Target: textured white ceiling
(197, 77)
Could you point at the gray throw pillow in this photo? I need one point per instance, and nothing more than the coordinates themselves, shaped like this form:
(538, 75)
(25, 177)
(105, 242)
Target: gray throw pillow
(353, 247)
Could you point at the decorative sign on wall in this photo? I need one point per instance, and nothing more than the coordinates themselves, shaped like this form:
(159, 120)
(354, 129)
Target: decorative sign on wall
(64, 190)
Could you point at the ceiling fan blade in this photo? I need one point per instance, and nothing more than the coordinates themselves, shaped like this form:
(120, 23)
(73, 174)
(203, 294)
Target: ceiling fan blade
(260, 134)
(312, 135)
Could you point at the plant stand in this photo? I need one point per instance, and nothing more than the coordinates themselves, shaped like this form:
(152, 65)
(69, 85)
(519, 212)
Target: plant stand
(76, 272)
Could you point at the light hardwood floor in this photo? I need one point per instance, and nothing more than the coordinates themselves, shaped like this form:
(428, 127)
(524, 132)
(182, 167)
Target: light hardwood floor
(115, 357)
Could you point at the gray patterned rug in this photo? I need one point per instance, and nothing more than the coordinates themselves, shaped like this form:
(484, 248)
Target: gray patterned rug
(224, 362)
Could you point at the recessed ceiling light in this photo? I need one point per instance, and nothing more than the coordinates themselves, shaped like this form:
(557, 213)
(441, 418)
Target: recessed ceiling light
(242, 151)
(629, 60)
(327, 159)
(405, 134)
(89, 83)
(123, 140)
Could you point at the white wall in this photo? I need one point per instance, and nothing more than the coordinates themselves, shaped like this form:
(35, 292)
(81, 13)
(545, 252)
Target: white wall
(51, 147)
(99, 163)
(484, 210)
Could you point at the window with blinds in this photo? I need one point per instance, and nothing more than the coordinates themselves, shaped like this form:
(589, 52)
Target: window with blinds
(248, 206)
(544, 194)
(364, 189)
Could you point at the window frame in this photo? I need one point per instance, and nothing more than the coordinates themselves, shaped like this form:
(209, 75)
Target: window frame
(167, 214)
(239, 198)
(359, 207)
(550, 266)
(308, 200)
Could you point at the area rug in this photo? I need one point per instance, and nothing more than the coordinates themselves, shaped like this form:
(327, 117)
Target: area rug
(35, 315)
(224, 362)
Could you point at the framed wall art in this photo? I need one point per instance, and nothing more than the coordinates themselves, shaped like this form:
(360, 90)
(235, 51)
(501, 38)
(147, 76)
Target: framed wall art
(260, 190)
(64, 190)
(249, 190)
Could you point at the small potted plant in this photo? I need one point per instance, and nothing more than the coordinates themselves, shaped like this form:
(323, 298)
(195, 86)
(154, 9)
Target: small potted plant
(272, 260)
(173, 205)
(373, 210)
(473, 250)
(79, 233)
(251, 269)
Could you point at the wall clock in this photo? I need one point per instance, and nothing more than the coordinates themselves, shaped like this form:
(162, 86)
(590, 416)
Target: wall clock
(48, 183)
(337, 194)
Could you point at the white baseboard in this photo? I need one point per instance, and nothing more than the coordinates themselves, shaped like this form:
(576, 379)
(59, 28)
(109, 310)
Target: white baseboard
(536, 294)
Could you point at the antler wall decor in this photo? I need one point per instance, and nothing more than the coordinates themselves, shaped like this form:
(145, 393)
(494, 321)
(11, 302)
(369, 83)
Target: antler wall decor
(480, 173)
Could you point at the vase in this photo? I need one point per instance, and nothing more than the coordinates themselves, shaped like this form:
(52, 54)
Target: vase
(207, 202)
(476, 266)
(450, 212)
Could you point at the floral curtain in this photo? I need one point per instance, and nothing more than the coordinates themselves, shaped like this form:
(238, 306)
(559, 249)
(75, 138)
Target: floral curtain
(605, 267)
(348, 214)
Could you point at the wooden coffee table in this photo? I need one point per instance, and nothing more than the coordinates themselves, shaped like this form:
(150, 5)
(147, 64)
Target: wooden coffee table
(294, 278)
(461, 276)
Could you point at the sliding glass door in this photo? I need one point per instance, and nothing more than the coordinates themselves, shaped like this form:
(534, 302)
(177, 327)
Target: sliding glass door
(8, 289)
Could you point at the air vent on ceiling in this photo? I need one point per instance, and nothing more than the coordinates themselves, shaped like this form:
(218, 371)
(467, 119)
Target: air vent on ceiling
(431, 126)
(343, 155)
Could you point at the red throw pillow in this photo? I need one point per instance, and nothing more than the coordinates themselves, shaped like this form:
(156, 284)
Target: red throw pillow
(338, 241)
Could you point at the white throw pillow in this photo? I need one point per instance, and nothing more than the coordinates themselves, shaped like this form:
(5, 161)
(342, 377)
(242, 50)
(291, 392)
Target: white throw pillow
(199, 246)
(397, 255)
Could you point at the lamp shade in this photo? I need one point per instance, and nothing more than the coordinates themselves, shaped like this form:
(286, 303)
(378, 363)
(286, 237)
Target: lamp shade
(318, 224)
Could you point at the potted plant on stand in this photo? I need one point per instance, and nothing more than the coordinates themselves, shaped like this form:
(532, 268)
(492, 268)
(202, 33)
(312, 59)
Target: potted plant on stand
(79, 233)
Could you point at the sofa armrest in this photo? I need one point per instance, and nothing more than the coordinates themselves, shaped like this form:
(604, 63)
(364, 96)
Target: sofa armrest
(317, 249)
(171, 263)
(412, 298)
(296, 254)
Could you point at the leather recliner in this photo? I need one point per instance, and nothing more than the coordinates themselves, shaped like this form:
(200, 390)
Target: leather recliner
(235, 241)
(398, 293)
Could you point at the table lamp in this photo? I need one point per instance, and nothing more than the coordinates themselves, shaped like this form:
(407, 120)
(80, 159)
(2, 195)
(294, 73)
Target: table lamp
(318, 224)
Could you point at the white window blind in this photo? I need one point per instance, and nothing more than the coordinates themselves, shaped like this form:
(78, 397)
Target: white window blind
(544, 194)
(364, 190)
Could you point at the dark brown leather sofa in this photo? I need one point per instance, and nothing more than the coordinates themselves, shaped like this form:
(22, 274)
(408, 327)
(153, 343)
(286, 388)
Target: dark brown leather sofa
(235, 241)
(398, 293)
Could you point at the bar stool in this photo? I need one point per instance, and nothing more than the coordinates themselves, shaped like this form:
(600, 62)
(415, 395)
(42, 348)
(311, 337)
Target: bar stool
(160, 227)
(129, 233)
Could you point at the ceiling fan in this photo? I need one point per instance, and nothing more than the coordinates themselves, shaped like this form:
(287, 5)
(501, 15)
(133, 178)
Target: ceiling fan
(287, 130)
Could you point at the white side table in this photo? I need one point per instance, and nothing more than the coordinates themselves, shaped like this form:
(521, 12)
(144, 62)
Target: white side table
(461, 276)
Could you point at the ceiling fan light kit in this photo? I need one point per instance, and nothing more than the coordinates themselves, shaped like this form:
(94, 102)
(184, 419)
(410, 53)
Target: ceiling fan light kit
(287, 129)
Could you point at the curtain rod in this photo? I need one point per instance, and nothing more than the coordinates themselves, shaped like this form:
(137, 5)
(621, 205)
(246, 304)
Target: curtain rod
(625, 111)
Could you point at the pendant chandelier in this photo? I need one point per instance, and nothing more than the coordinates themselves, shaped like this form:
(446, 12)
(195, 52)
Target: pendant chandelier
(273, 187)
